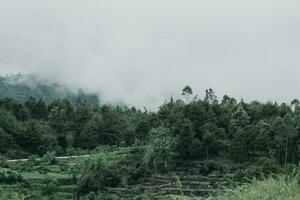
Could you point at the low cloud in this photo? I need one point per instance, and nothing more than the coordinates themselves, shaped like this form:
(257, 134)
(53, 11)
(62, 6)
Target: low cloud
(141, 52)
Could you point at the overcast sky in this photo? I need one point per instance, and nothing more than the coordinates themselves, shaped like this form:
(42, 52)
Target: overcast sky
(143, 51)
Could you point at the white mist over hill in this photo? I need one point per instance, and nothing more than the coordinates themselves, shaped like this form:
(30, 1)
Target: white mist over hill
(141, 52)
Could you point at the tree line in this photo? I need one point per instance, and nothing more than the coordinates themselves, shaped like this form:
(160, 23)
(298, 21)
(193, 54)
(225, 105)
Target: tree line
(189, 129)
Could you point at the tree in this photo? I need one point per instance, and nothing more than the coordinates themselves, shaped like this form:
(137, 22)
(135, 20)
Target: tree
(6, 142)
(82, 115)
(37, 109)
(186, 137)
(214, 140)
(187, 92)
(59, 114)
(295, 104)
(290, 135)
(38, 137)
(239, 133)
(279, 130)
(229, 103)
(59, 118)
(142, 129)
(160, 153)
(269, 110)
(263, 139)
(92, 134)
(239, 119)
(210, 96)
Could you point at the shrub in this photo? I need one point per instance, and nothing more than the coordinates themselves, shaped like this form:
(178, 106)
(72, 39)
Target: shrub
(268, 165)
(160, 152)
(50, 186)
(96, 176)
(11, 195)
(43, 169)
(32, 158)
(3, 162)
(49, 159)
(101, 196)
(63, 166)
(70, 151)
(10, 177)
(142, 197)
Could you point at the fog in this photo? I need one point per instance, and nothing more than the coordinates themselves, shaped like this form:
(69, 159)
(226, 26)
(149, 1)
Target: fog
(141, 52)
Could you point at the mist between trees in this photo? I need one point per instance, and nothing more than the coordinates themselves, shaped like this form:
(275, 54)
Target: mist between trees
(200, 129)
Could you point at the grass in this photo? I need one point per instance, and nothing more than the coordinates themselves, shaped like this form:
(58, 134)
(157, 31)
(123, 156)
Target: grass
(11, 195)
(275, 188)
(66, 186)
(278, 188)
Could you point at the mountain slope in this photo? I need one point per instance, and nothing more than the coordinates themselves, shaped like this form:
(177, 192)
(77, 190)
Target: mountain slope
(21, 87)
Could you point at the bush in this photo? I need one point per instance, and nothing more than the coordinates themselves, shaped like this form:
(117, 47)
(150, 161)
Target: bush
(49, 159)
(11, 195)
(50, 186)
(101, 196)
(268, 165)
(143, 196)
(96, 176)
(10, 177)
(70, 151)
(63, 166)
(3, 162)
(43, 169)
(209, 166)
(33, 159)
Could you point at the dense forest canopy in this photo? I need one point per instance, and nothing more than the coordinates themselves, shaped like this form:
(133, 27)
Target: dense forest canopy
(199, 129)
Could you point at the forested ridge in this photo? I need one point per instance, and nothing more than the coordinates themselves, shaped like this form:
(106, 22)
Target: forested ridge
(200, 129)
(21, 87)
(189, 146)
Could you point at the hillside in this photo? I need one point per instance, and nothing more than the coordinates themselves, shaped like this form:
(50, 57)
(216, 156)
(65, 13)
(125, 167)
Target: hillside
(21, 87)
(194, 149)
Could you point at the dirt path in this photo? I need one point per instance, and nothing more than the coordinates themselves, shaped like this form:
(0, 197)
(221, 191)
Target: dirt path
(60, 158)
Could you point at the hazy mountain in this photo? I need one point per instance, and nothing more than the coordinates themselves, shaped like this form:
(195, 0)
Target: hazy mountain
(21, 87)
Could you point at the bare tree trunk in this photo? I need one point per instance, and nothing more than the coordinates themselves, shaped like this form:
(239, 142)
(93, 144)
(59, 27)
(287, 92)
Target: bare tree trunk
(286, 154)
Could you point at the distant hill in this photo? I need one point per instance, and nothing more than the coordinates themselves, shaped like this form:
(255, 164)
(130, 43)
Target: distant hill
(21, 87)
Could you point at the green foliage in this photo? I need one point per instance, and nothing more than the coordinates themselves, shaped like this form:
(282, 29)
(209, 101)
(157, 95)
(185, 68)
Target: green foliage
(186, 136)
(22, 87)
(160, 153)
(50, 186)
(187, 91)
(203, 129)
(11, 195)
(49, 159)
(277, 188)
(142, 197)
(3, 162)
(258, 138)
(96, 176)
(10, 177)
(101, 196)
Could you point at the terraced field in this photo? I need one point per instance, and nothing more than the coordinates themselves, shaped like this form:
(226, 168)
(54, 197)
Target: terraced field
(65, 182)
(188, 185)
(184, 181)
(63, 171)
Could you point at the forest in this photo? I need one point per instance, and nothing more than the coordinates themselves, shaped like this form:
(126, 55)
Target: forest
(21, 87)
(186, 140)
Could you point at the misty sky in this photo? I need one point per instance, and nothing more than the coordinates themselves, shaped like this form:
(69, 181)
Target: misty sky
(142, 51)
